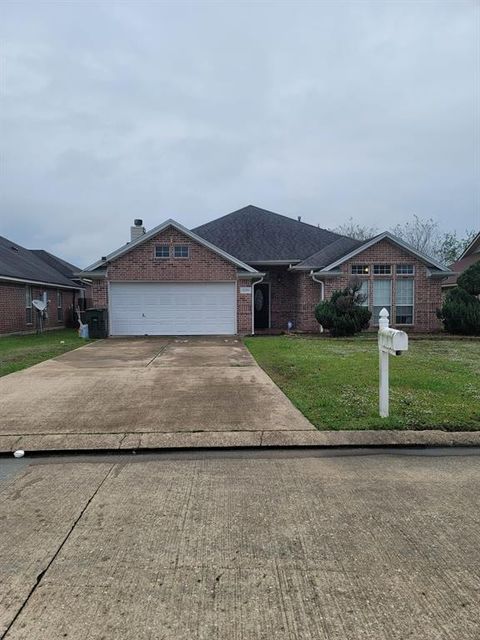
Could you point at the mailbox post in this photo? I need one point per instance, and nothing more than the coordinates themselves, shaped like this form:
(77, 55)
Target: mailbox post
(391, 342)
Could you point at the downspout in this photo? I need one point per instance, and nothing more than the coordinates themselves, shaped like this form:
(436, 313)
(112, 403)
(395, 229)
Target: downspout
(312, 275)
(253, 303)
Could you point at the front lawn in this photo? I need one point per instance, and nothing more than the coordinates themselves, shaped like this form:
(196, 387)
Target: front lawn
(20, 352)
(334, 382)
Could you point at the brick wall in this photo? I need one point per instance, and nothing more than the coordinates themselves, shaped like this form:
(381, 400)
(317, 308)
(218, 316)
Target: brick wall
(202, 265)
(13, 308)
(294, 295)
(99, 294)
(309, 295)
(244, 308)
(427, 291)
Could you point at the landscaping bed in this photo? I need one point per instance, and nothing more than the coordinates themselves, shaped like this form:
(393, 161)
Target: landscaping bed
(334, 381)
(20, 352)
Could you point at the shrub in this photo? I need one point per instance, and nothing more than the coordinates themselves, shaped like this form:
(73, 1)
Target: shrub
(461, 312)
(343, 314)
(470, 279)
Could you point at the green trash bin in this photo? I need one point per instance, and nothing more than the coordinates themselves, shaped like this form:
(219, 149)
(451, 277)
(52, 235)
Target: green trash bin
(97, 320)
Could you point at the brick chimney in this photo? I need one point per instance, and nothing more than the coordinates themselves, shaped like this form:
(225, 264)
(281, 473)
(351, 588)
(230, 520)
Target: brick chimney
(137, 230)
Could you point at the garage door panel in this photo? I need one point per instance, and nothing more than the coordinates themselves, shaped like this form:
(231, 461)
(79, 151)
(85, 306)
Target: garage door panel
(172, 308)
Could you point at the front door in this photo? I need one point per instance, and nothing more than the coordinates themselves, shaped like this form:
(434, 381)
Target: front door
(261, 305)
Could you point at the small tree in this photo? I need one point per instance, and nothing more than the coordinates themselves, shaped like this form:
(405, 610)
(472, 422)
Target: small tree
(343, 314)
(460, 312)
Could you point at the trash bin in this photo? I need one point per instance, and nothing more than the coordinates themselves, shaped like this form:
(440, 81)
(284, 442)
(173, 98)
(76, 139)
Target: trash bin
(97, 321)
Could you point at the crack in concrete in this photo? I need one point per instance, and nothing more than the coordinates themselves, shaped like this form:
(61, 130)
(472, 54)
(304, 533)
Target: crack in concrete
(159, 353)
(55, 555)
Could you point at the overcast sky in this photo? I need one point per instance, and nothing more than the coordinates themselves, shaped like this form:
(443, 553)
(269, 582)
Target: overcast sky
(118, 110)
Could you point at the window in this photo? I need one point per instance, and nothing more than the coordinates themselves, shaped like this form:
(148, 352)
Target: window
(382, 269)
(404, 301)
(364, 293)
(59, 306)
(180, 251)
(28, 305)
(405, 270)
(162, 251)
(382, 297)
(360, 269)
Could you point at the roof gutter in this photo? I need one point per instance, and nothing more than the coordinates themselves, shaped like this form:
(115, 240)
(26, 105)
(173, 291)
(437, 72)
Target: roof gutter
(53, 285)
(248, 275)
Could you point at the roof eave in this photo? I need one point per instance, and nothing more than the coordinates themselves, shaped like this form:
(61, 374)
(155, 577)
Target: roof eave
(42, 283)
(401, 243)
(325, 273)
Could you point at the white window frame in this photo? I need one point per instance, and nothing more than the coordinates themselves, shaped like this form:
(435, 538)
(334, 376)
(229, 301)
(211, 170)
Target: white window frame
(365, 283)
(60, 313)
(405, 275)
(383, 264)
(375, 315)
(181, 246)
(161, 246)
(405, 324)
(28, 304)
(360, 266)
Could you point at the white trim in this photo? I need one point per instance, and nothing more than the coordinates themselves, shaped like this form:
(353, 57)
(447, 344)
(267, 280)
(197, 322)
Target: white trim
(467, 250)
(158, 229)
(109, 309)
(169, 281)
(275, 262)
(51, 285)
(386, 236)
(248, 276)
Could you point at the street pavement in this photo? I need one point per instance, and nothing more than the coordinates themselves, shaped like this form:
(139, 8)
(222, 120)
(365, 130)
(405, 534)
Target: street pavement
(241, 547)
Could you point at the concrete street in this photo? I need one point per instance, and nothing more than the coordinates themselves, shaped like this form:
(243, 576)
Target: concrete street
(272, 545)
(135, 393)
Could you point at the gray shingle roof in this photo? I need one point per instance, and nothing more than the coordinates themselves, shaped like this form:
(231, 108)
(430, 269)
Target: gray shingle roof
(18, 262)
(254, 235)
(329, 254)
(65, 268)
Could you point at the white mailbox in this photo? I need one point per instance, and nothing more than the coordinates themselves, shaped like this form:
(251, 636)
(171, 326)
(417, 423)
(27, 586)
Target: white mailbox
(391, 342)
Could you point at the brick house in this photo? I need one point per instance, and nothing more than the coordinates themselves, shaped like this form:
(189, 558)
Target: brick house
(253, 270)
(27, 275)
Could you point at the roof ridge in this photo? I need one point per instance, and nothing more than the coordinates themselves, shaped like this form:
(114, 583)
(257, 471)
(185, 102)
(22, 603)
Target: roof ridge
(274, 213)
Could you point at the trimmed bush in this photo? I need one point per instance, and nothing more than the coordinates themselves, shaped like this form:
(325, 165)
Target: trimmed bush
(343, 314)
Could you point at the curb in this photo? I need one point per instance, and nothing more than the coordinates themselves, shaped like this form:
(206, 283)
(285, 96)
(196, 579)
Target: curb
(153, 441)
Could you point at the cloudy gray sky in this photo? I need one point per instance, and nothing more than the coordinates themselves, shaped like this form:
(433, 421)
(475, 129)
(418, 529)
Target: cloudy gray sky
(117, 110)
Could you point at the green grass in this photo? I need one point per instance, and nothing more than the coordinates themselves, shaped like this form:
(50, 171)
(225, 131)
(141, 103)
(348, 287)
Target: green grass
(20, 352)
(334, 382)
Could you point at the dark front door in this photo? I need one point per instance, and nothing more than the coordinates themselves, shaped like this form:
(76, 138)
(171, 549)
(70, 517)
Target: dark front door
(261, 305)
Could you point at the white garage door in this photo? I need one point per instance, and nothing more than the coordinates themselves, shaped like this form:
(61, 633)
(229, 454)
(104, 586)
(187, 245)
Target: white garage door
(168, 308)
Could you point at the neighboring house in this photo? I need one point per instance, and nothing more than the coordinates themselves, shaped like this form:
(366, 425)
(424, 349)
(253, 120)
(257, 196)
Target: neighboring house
(255, 270)
(468, 257)
(27, 275)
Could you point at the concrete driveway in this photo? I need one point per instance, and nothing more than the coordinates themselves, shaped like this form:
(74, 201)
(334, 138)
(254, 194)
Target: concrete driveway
(294, 548)
(144, 392)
